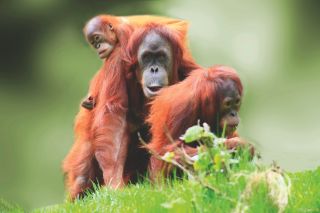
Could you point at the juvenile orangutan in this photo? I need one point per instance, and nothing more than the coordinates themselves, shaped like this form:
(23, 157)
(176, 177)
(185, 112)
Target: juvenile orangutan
(208, 95)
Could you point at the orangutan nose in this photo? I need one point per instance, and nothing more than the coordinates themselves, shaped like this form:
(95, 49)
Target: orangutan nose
(154, 69)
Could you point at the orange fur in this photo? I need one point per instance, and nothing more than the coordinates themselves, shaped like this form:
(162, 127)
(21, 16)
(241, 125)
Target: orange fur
(98, 132)
(183, 64)
(180, 106)
(179, 26)
(102, 136)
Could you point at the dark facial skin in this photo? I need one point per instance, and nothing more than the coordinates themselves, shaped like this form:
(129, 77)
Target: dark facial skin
(155, 61)
(101, 36)
(230, 101)
(88, 103)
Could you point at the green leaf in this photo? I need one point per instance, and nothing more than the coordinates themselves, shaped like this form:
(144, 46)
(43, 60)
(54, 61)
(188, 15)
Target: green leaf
(168, 156)
(217, 162)
(209, 135)
(202, 163)
(193, 134)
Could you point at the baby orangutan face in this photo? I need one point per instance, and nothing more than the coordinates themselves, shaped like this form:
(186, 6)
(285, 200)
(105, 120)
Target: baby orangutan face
(229, 106)
(101, 36)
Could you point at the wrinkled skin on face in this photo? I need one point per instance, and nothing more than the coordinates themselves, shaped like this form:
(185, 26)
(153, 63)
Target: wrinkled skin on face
(101, 36)
(229, 106)
(155, 60)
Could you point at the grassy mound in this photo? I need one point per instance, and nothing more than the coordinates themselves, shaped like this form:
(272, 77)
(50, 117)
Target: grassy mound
(183, 196)
(217, 179)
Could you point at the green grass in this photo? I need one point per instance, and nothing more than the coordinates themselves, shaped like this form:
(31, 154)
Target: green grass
(305, 192)
(6, 206)
(183, 196)
(219, 180)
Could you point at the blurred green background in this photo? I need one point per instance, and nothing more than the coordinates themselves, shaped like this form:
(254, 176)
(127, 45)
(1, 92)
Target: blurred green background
(45, 67)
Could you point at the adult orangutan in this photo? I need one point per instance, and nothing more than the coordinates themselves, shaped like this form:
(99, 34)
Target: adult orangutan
(208, 95)
(102, 135)
(156, 59)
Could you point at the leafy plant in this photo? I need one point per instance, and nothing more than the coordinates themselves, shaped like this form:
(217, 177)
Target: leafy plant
(216, 168)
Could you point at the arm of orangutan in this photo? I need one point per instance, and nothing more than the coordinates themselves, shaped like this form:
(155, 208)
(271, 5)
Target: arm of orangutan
(234, 142)
(182, 154)
(237, 142)
(178, 147)
(111, 144)
(158, 168)
(77, 166)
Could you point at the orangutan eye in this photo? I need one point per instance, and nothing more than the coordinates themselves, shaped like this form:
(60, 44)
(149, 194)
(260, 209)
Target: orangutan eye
(97, 46)
(96, 37)
(146, 57)
(227, 103)
(237, 102)
(110, 27)
(162, 57)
